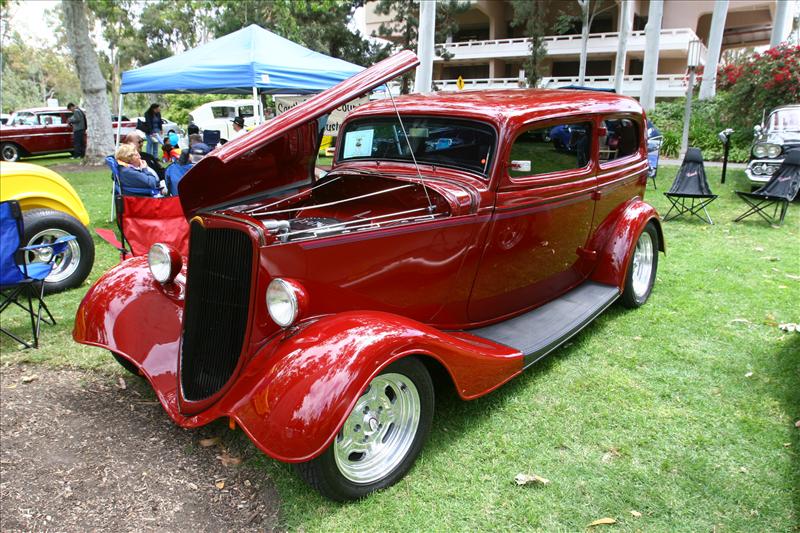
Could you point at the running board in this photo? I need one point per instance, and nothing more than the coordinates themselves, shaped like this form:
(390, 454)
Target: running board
(539, 332)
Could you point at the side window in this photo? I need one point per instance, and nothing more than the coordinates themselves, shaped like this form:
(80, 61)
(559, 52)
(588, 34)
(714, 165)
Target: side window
(550, 149)
(223, 112)
(26, 119)
(246, 111)
(621, 139)
(50, 120)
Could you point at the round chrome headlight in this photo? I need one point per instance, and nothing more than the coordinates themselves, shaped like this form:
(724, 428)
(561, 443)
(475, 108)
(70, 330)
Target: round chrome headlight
(164, 262)
(773, 150)
(760, 150)
(757, 169)
(285, 301)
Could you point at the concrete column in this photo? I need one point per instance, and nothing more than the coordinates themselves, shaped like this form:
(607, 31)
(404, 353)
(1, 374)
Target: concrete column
(427, 28)
(708, 87)
(624, 28)
(652, 34)
(779, 23)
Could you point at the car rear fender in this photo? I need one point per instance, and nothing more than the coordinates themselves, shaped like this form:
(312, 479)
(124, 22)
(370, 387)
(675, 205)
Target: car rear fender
(295, 395)
(36, 187)
(616, 237)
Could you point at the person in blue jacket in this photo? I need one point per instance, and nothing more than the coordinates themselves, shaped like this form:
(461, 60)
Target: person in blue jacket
(136, 178)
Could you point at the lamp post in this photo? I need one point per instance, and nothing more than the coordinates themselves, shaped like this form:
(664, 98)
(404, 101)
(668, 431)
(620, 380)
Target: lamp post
(725, 138)
(692, 60)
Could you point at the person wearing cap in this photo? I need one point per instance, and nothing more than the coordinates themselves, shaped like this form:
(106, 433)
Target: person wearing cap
(238, 128)
(176, 171)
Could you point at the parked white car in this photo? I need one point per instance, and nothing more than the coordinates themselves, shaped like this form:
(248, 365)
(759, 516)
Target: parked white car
(217, 115)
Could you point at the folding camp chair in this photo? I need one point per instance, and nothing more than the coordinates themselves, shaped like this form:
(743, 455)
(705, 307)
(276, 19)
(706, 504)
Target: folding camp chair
(211, 137)
(22, 284)
(690, 193)
(653, 152)
(145, 220)
(776, 195)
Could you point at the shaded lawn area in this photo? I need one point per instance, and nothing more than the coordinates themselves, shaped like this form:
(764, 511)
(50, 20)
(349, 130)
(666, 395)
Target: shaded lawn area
(683, 410)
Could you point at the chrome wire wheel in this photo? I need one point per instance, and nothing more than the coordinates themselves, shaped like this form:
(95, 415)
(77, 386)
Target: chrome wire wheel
(65, 264)
(380, 430)
(642, 269)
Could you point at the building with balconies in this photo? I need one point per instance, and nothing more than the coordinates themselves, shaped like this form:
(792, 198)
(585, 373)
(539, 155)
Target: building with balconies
(489, 52)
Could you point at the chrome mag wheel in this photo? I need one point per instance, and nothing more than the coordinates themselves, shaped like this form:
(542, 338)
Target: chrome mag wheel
(379, 432)
(65, 264)
(642, 270)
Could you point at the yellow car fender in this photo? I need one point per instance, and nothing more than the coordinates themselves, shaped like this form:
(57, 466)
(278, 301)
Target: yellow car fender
(36, 187)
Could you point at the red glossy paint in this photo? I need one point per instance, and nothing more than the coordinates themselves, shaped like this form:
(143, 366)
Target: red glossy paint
(495, 247)
(51, 132)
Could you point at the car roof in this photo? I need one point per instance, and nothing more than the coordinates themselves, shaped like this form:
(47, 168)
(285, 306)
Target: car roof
(42, 110)
(509, 106)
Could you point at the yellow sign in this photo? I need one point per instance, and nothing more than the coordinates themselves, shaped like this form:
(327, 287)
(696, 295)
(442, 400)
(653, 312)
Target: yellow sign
(460, 83)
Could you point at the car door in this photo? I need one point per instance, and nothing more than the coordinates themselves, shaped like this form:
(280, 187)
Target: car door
(542, 219)
(57, 131)
(622, 155)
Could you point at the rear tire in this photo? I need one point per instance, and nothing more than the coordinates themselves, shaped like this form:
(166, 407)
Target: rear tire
(9, 152)
(380, 439)
(642, 268)
(73, 266)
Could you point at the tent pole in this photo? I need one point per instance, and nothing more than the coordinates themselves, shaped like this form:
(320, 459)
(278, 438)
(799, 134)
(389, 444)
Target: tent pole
(256, 106)
(116, 146)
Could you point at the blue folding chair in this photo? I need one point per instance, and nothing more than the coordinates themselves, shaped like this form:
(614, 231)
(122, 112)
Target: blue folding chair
(653, 153)
(22, 283)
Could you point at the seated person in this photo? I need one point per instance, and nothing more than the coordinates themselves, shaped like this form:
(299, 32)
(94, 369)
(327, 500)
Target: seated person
(171, 152)
(176, 171)
(136, 138)
(135, 177)
(194, 138)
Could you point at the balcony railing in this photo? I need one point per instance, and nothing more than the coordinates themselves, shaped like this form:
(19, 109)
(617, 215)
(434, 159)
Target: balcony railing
(672, 40)
(667, 85)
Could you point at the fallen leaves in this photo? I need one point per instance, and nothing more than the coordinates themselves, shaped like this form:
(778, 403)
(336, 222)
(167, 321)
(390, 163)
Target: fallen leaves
(743, 470)
(220, 484)
(602, 522)
(611, 454)
(530, 479)
(636, 514)
(748, 375)
(209, 442)
(121, 384)
(28, 379)
(229, 460)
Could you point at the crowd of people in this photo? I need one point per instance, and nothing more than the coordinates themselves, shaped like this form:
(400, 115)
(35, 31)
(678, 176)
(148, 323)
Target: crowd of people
(143, 171)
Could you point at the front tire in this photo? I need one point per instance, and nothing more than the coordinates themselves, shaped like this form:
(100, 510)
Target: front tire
(380, 439)
(642, 268)
(9, 152)
(71, 267)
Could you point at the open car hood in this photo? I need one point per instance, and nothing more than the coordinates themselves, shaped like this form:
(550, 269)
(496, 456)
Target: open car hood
(280, 152)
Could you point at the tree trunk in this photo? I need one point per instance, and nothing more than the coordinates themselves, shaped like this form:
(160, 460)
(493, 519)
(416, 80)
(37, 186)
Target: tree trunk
(584, 40)
(100, 138)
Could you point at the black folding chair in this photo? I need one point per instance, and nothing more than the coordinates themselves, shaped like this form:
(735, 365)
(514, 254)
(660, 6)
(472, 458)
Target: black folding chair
(211, 137)
(776, 195)
(690, 193)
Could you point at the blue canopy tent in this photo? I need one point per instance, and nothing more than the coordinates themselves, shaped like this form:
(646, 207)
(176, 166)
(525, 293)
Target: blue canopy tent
(248, 61)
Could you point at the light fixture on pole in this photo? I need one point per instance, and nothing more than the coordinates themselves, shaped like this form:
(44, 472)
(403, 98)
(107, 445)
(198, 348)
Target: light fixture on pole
(692, 60)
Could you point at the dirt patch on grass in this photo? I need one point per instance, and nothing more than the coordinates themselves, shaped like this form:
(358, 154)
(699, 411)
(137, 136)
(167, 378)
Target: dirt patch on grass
(85, 451)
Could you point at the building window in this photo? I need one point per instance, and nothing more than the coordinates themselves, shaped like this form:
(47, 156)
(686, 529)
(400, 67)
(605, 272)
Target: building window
(635, 67)
(555, 148)
(621, 139)
(563, 69)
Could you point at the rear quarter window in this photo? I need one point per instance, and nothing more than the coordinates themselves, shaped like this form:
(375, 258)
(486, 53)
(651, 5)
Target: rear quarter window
(550, 149)
(622, 139)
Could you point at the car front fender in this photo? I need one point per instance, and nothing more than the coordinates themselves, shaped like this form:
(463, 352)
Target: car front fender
(616, 237)
(295, 395)
(37, 187)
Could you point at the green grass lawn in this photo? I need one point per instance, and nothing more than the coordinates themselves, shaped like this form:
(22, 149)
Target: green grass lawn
(683, 411)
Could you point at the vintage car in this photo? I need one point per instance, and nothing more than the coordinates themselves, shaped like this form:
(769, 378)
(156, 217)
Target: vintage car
(772, 139)
(38, 131)
(50, 209)
(313, 313)
(217, 115)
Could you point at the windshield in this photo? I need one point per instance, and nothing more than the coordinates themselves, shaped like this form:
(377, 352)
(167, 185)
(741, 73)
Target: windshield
(784, 120)
(435, 141)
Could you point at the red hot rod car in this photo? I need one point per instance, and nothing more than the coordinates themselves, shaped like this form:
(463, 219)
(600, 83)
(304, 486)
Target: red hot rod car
(451, 234)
